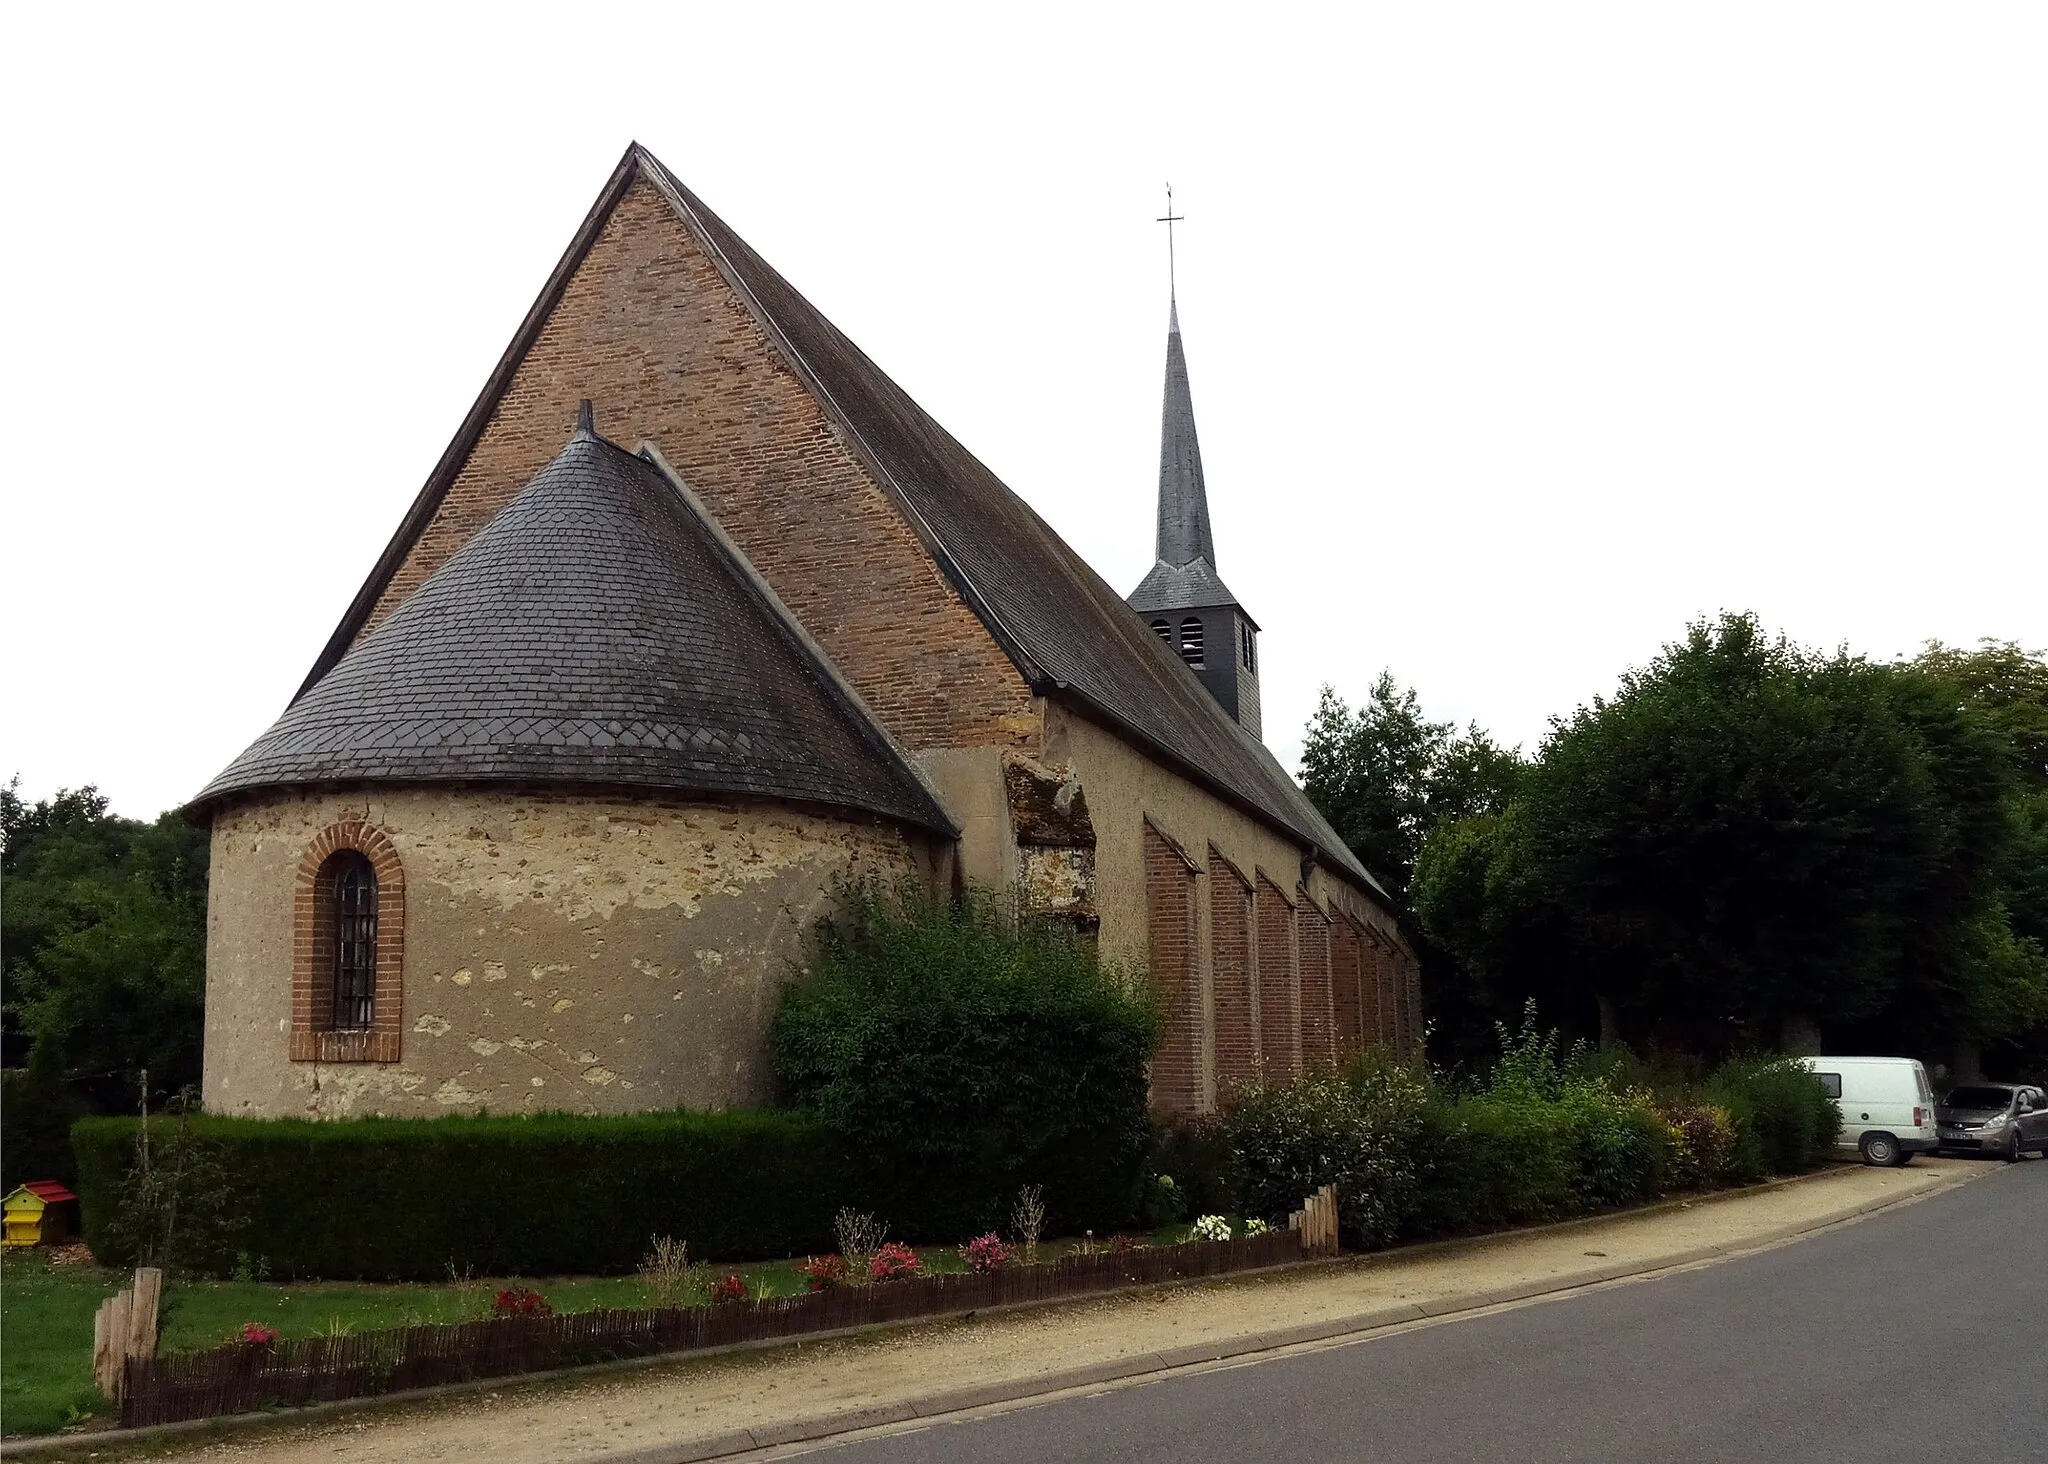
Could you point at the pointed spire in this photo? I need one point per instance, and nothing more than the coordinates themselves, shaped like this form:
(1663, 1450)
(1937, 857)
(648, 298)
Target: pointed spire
(1183, 498)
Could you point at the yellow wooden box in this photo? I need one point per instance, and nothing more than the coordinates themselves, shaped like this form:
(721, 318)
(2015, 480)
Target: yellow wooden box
(36, 1212)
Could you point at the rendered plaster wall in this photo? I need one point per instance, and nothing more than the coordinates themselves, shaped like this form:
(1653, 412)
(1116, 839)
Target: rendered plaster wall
(561, 953)
(1125, 787)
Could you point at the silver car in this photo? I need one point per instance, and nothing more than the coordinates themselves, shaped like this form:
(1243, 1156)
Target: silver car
(2006, 1119)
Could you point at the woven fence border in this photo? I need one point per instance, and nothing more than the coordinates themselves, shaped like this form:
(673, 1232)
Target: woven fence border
(242, 1377)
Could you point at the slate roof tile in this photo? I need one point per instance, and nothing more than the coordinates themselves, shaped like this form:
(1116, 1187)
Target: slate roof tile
(597, 601)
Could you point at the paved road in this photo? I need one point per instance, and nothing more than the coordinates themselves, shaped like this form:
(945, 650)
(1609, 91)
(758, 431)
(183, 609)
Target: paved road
(1919, 1335)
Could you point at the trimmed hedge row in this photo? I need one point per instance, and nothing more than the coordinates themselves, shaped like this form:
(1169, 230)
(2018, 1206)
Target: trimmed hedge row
(406, 1199)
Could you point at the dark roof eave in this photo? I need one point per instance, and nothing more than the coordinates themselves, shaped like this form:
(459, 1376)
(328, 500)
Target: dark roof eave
(211, 803)
(1332, 860)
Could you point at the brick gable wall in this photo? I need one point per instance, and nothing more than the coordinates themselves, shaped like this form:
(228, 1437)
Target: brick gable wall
(649, 330)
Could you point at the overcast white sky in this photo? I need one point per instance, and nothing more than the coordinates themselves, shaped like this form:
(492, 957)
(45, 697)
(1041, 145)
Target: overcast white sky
(1519, 334)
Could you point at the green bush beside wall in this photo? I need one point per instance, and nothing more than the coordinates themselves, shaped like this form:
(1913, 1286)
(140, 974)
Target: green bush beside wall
(562, 1194)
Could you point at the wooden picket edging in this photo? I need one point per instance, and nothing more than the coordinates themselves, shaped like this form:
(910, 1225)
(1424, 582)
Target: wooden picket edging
(125, 1327)
(238, 1377)
(1316, 1222)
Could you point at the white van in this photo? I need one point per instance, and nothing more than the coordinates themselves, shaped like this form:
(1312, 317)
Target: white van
(1887, 1107)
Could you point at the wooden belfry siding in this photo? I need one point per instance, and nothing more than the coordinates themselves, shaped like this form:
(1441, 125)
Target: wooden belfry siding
(1230, 940)
(1279, 986)
(1173, 939)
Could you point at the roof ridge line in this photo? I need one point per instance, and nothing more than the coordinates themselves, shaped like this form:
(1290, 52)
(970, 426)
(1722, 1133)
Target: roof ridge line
(860, 713)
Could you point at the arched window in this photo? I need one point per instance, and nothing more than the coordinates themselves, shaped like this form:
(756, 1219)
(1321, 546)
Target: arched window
(348, 884)
(1191, 642)
(1163, 628)
(348, 939)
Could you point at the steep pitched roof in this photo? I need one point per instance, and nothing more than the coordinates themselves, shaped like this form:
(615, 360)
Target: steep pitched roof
(1183, 496)
(1184, 575)
(597, 630)
(1067, 631)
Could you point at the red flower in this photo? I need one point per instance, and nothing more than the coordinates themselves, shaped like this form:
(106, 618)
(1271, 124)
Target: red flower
(986, 1253)
(258, 1334)
(893, 1262)
(822, 1273)
(520, 1302)
(729, 1288)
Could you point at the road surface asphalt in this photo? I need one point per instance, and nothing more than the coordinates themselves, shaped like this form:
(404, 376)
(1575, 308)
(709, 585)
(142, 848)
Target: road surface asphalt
(1918, 1334)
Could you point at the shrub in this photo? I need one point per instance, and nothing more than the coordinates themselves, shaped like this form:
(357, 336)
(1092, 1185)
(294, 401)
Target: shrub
(550, 1194)
(520, 1301)
(1785, 1123)
(1288, 1140)
(1196, 1152)
(1209, 1227)
(731, 1287)
(985, 1253)
(997, 1049)
(1545, 1137)
(1699, 1142)
(893, 1262)
(822, 1273)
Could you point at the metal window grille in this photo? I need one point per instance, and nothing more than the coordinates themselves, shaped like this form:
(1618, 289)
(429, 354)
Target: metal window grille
(1191, 642)
(355, 943)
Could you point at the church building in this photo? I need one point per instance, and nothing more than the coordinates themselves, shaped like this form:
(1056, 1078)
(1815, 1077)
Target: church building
(697, 615)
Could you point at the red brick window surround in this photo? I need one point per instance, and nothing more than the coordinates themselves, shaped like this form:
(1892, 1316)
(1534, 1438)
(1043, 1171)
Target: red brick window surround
(348, 939)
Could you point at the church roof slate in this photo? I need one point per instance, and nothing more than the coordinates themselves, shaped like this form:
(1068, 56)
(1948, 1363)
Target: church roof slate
(1068, 632)
(598, 630)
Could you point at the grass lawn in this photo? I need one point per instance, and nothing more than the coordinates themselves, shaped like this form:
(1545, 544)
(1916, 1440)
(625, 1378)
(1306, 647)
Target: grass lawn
(46, 1317)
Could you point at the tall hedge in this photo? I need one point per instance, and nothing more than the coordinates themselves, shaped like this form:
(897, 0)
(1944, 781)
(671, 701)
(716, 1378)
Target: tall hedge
(545, 1195)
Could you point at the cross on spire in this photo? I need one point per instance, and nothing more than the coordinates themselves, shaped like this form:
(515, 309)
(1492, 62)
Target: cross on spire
(1170, 218)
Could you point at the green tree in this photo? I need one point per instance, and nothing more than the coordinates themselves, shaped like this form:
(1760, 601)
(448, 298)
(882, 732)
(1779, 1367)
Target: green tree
(2008, 687)
(1384, 775)
(104, 943)
(1746, 839)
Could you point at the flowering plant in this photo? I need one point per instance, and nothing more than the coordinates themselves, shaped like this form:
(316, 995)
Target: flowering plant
(1210, 1227)
(986, 1253)
(822, 1273)
(894, 1261)
(732, 1287)
(1123, 1245)
(256, 1334)
(519, 1301)
(1255, 1227)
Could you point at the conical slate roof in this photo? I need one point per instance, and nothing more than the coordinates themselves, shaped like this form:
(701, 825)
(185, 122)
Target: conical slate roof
(596, 631)
(1184, 577)
(1183, 496)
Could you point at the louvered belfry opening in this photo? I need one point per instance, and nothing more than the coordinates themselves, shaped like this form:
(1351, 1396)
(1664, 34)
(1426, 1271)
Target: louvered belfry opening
(352, 887)
(1191, 642)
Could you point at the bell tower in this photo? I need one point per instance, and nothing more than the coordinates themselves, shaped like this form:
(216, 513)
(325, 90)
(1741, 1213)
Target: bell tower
(1183, 599)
